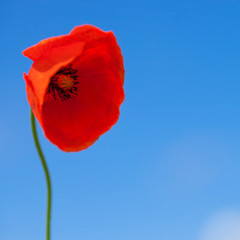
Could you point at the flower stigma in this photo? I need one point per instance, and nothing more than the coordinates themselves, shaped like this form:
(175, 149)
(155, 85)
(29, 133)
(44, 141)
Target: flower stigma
(64, 81)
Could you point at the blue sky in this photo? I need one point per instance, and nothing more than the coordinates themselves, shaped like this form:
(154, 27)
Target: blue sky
(169, 169)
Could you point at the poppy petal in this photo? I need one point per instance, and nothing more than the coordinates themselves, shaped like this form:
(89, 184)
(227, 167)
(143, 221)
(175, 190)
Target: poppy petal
(86, 33)
(46, 66)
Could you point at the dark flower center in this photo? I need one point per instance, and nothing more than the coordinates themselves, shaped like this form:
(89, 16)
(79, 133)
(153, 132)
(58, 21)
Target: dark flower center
(63, 83)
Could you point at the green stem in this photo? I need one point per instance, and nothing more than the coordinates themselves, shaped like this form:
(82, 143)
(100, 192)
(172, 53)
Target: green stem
(45, 168)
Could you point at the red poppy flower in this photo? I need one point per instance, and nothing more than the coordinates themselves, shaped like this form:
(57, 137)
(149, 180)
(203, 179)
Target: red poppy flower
(75, 86)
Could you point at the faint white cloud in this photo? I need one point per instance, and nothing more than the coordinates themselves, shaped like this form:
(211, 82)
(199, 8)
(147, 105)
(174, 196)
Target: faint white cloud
(222, 226)
(195, 160)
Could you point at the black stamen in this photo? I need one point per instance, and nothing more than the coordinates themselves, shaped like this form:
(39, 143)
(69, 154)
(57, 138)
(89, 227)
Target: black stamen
(54, 88)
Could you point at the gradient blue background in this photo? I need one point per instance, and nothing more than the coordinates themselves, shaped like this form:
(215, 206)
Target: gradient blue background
(173, 158)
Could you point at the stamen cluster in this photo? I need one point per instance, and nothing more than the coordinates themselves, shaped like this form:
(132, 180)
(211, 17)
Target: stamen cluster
(63, 83)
